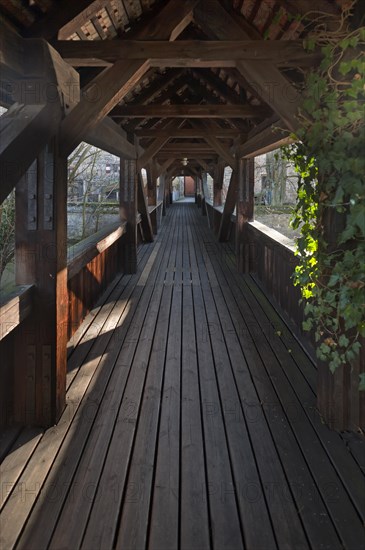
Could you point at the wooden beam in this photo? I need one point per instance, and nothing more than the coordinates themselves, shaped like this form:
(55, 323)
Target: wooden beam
(229, 205)
(271, 85)
(108, 88)
(269, 138)
(128, 212)
(280, 52)
(191, 111)
(64, 18)
(24, 132)
(217, 145)
(41, 259)
(157, 144)
(187, 133)
(154, 89)
(143, 209)
(165, 166)
(222, 89)
(110, 137)
(244, 213)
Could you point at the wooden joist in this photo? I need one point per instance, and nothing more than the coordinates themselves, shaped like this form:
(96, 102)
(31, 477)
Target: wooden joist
(108, 88)
(110, 137)
(273, 88)
(191, 52)
(187, 133)
(190, 111)
(217, 145)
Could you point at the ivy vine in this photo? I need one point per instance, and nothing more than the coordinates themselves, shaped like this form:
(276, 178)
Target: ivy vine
(329, 158)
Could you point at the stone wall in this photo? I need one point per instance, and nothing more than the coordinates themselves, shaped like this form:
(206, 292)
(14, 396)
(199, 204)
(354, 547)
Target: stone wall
(96, 217)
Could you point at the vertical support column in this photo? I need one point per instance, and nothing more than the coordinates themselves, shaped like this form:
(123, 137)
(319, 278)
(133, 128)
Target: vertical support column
(128, 212)
(152, 194)
(217, 195)
(41, 259)
(204, 192)
(245, 211)
(163, 193)
(339, 400)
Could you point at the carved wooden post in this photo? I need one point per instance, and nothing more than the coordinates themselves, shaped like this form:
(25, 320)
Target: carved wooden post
(41, 259)
(244, 213)
(128, 212)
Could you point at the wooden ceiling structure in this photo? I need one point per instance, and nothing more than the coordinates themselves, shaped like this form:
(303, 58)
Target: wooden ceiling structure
(215, 82)
(176, 74)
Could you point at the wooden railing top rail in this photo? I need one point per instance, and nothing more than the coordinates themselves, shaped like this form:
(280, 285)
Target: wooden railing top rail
(153, 207)
(273, 235)
(83, 252)
(15, 306)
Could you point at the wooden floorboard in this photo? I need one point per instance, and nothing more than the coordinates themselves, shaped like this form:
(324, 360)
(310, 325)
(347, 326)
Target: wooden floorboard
(190, 422)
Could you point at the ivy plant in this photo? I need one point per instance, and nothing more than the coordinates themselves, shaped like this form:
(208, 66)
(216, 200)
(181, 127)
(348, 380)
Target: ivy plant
(329, 158)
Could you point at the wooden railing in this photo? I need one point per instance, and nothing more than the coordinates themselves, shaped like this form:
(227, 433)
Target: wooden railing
(269, 258)
(15, 307)
(92, 264)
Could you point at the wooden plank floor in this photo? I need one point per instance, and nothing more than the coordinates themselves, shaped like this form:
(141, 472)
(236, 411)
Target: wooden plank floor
(190, 422)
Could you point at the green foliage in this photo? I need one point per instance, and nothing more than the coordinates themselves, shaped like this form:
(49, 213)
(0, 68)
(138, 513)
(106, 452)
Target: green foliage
(7, 231)
(329, 159)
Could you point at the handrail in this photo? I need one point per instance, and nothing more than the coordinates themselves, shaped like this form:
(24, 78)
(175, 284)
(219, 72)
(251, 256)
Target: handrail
(153, 207)
(80, 254)
(273, 235)
(15, 306)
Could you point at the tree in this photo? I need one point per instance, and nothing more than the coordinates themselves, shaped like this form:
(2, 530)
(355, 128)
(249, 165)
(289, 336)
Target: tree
(86, 181)
(7, 232)
(276, 170)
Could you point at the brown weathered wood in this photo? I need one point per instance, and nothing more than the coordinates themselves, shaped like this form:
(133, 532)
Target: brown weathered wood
(15, 307)
(143, 210)
(151, 151)
(191, 111)
(187, 133)
(25, 128)
(41, 259)
(99, 97)
(191, 52)
(128, 212)
(229, 205)
(221, 148)
(269, 82)
(244, 214)
(108, 88)
(82, 253)
(154, 90)
(11, 52)
(110, 137)
(64, 19)
(269, 138)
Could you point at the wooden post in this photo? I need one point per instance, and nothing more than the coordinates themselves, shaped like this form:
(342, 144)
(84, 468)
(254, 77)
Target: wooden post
(339, 400)
(204, 187)
(162, 196)
(128, 213)
(152, 194)
(217, 194)
(41, 259)
(245, 211)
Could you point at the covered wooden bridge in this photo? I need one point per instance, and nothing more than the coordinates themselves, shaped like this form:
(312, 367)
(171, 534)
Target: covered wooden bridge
(156, 388)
